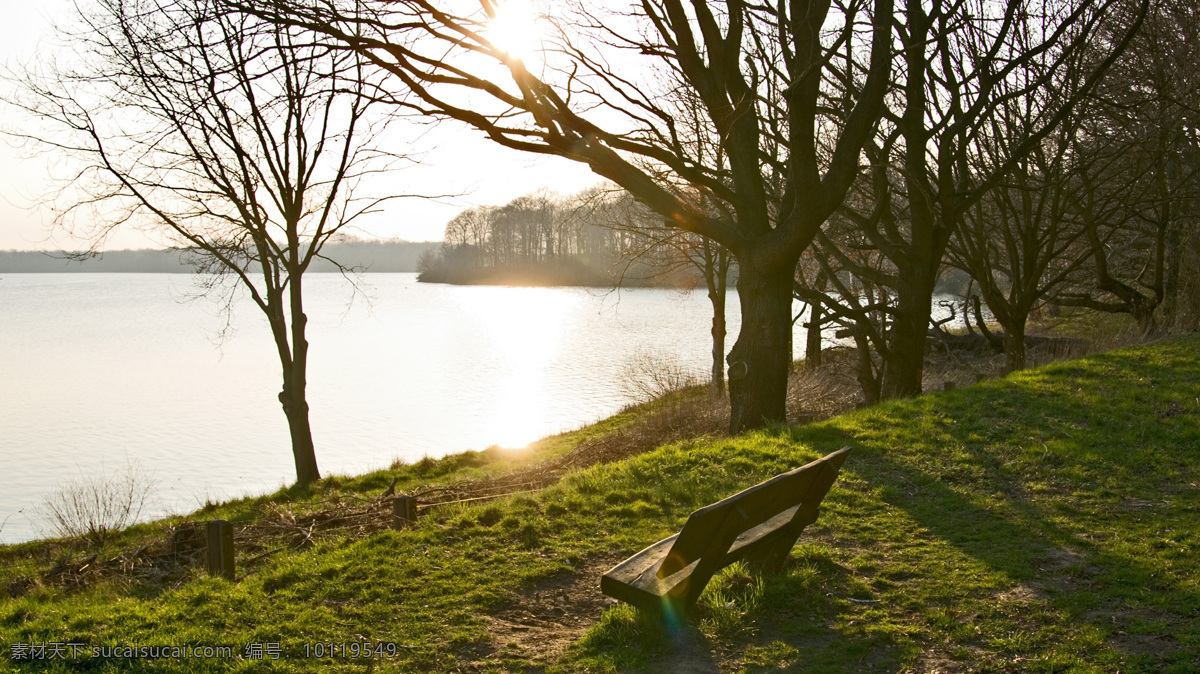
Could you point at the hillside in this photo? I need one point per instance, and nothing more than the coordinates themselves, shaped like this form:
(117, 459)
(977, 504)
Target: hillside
(1048, 521)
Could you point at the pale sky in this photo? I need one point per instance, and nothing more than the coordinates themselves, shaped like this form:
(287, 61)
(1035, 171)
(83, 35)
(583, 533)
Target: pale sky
(457, 160)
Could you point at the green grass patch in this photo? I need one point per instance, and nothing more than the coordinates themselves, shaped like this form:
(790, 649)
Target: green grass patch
(1049, 521)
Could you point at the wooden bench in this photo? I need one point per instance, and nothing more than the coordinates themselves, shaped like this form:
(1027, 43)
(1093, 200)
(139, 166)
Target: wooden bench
(760, 525)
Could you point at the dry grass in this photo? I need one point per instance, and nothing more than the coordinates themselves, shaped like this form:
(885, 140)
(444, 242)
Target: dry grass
(824, 391)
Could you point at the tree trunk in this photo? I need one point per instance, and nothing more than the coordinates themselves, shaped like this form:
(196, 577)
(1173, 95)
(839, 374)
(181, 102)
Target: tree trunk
(992, 339)
(292, 346)
(761, 357)
(905, 362)
(1014, 345)
(1174, 261)
(718, 341)
(866, 370)
(716, 275)
(295, 407)
(812, 345)
(295, 390)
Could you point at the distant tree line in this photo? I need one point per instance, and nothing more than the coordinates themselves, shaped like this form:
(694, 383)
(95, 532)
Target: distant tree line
(113, 261)
(380, 256)
(597, 237)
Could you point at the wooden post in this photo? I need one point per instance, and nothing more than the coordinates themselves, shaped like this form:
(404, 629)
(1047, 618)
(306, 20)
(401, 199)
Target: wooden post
(404, 512)
(948, 386)
(979, 376)
(220, 549)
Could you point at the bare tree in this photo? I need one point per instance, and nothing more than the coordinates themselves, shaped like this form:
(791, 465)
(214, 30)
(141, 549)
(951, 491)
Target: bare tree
(758, 70)
(961, 65)
(1137, 158)
(1022, 242)
(237, 140)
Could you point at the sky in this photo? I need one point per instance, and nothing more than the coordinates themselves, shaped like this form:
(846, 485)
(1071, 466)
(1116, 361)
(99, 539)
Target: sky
(456, 161)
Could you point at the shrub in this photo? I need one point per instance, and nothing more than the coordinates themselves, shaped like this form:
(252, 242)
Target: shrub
(649, 375)
(94, 506)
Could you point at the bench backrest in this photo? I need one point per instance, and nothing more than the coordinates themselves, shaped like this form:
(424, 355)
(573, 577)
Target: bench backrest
(711, 531)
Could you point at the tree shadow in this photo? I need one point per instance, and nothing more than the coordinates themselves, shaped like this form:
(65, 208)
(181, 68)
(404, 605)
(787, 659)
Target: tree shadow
(1051, 547)
(978, 528)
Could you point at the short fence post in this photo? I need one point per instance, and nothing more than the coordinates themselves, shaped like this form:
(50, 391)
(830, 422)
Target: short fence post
(979, 376)
(804, 419)
(948, 386)
(220, 549)
(404, 511)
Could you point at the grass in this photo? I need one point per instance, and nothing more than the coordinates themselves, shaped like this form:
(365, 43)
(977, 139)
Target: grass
(1048, 521)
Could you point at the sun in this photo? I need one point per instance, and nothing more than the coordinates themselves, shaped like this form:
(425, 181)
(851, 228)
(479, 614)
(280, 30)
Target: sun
(514, 29)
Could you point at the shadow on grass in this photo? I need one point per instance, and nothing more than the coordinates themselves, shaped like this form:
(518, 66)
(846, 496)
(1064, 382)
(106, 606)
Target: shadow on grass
(1071, 544)
(999, 526)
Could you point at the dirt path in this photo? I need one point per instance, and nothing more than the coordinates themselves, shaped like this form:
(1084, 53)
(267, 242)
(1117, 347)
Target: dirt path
(547, 618)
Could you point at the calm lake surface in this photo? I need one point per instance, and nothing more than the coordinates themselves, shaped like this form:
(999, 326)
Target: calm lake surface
(99, 371)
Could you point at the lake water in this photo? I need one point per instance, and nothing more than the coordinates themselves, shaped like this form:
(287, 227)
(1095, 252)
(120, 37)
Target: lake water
(99, 371)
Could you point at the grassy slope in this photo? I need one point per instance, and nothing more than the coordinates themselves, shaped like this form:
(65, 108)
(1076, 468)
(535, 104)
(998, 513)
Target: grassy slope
(1046, 522)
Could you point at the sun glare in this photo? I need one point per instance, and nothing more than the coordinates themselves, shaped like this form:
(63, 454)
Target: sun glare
(514, 29)
(525, 330)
